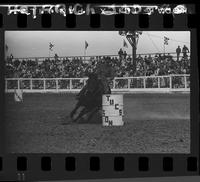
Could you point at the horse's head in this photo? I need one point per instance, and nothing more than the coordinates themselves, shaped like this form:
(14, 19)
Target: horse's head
(92, 76)
(105, 85)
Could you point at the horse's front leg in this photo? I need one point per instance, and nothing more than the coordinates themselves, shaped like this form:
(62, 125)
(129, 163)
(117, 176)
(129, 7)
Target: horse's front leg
(92, 113)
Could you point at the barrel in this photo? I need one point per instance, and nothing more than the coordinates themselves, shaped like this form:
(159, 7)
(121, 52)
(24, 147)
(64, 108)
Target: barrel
(112, 110)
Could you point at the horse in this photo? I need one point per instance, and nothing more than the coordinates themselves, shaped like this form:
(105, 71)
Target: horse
(90, 97)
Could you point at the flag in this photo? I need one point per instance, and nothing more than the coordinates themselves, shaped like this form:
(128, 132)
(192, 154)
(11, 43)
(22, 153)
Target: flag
(51, 46)
(86, 45)
(166, 40)
(125, 44)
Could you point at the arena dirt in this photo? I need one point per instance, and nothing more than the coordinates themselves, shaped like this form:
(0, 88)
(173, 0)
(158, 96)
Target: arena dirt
(154, 123)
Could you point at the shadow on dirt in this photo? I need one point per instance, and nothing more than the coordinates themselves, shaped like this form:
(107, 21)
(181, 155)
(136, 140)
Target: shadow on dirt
(96, 119)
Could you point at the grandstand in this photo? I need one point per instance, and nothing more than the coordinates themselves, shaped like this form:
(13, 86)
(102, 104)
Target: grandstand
(154, 72)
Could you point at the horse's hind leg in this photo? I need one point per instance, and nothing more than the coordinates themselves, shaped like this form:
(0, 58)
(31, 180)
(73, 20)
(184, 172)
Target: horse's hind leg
(83, 112)
(74, 110)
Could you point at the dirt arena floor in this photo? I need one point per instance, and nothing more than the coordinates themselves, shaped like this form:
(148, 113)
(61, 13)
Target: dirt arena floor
(154, 123)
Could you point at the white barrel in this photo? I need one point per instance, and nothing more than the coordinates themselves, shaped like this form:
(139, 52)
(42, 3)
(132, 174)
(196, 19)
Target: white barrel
(112, 99)
(113, 121)
(112, 110)
(18, 95)
(116, 110)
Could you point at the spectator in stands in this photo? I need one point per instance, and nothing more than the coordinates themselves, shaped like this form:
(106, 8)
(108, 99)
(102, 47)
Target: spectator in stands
(56, 57)
(150, 58)
(11, 56)
(124, 54)
(169, 56)
(76, 67)
(184, 51)
(139, 57)
(178, 51)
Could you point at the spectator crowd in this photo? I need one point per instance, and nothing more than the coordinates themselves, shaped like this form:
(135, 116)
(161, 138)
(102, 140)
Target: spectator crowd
(78, 67)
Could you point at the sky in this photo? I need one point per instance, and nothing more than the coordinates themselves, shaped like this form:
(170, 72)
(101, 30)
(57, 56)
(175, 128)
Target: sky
(22, 44)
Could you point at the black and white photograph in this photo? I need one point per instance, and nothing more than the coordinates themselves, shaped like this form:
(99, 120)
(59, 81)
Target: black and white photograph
(97, 92)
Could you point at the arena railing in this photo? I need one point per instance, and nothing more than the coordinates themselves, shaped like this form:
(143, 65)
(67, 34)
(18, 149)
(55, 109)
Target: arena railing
(168, 83)
(86, 58)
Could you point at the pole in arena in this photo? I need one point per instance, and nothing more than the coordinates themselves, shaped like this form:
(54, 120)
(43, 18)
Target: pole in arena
(132, 37)
(18, 95)
(112, 110)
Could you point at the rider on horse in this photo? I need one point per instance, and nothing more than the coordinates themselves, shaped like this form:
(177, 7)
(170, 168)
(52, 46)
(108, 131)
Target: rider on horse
(90, 97)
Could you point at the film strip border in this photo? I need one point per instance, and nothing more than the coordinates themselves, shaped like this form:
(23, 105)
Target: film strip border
(25, 167)
(97, 21)
(84, 166)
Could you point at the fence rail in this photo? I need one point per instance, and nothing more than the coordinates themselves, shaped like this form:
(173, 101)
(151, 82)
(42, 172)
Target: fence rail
(166, 83)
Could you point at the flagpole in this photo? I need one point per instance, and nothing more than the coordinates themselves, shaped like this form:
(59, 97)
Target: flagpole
(49, 50)
(164, 48)
(84, 53)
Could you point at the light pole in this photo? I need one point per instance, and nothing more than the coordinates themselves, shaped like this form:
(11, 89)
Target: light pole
(132, 37)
